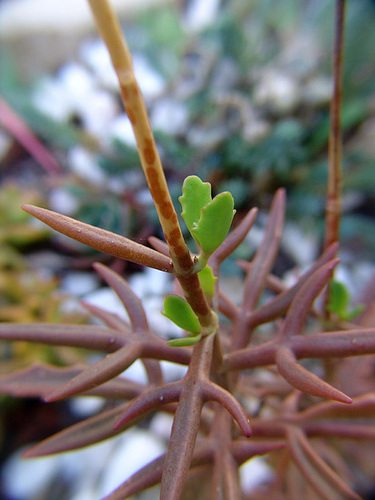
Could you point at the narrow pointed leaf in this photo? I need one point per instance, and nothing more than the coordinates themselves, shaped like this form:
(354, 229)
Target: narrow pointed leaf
(363, 406)
(151, 474)
(97, 374)
(148, 476)
(37, 380)
(266, 254)
(85, 433)
(88, 336)
(186, 422)
(110, 319)
(102, 240)
(335, 344)
(41, 379)
(323, 479)
(214, 392)
(301, 305)
(131, 302)
(300, 378)
(148, 401)
(280, 304)
(181, 444)
(234, 239)
(136, 314)
(244, 449)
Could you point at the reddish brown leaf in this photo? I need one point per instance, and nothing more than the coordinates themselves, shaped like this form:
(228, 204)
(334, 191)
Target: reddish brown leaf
(300, 378)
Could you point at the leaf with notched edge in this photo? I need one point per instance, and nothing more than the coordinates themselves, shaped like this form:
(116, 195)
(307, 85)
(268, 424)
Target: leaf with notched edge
(208, 220)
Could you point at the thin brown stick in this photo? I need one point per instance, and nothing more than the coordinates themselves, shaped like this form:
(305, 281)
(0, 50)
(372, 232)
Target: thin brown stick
(333, 205)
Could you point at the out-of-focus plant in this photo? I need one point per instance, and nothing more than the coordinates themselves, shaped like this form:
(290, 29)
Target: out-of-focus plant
(256, 107)
(17, 230)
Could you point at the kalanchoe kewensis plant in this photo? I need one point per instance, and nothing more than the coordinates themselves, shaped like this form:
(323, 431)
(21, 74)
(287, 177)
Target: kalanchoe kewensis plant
(228, 358)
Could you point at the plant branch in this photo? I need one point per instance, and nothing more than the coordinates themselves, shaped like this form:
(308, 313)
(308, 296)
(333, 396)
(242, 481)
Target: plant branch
(112, 35)
(183, 264)
(333, 206)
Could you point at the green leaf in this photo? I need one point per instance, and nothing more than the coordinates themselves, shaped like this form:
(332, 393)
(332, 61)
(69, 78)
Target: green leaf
(185, 342)
(339, 300)
(207, 220)
(208, 280)
(180, 312)
(195, 195)
(214, 224)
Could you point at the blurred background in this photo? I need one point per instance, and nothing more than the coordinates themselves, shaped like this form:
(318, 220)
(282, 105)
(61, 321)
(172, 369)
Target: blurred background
(238, 93)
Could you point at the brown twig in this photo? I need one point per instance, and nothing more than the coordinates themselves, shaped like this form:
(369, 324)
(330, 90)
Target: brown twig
(333, 205)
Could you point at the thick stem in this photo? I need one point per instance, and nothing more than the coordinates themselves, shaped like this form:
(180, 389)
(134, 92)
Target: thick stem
(186, 422)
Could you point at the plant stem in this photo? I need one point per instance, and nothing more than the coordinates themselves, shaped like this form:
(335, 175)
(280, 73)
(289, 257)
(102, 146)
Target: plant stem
(333, 205)
(183, 264)
(110, 30)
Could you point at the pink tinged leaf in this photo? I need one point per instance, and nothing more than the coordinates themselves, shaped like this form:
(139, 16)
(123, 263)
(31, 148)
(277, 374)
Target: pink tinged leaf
(40, 379)
(227, 307)
(252, 357)
(148, 401)
(320, 476)
(338, 429)
(335, 344)
(145, 478)
(131, 302)
(304, 299)
(225, 482)
(244, 449)
(280, 304)
(36, 380)
(102, 240)
(87, 336)
(150, 474)
(110, 319)
(136, 314)
(233, 240)
(158, 349)
(273, 283)
(159, 245)
(300, 378)
(14, 124)
(181, 444)
(266, 254)
(90, 431)
(363, 406)
(213, 392)
(102, 371)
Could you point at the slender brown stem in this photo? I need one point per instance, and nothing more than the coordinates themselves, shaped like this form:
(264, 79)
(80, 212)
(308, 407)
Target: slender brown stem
(112, 35)
(333, 205)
